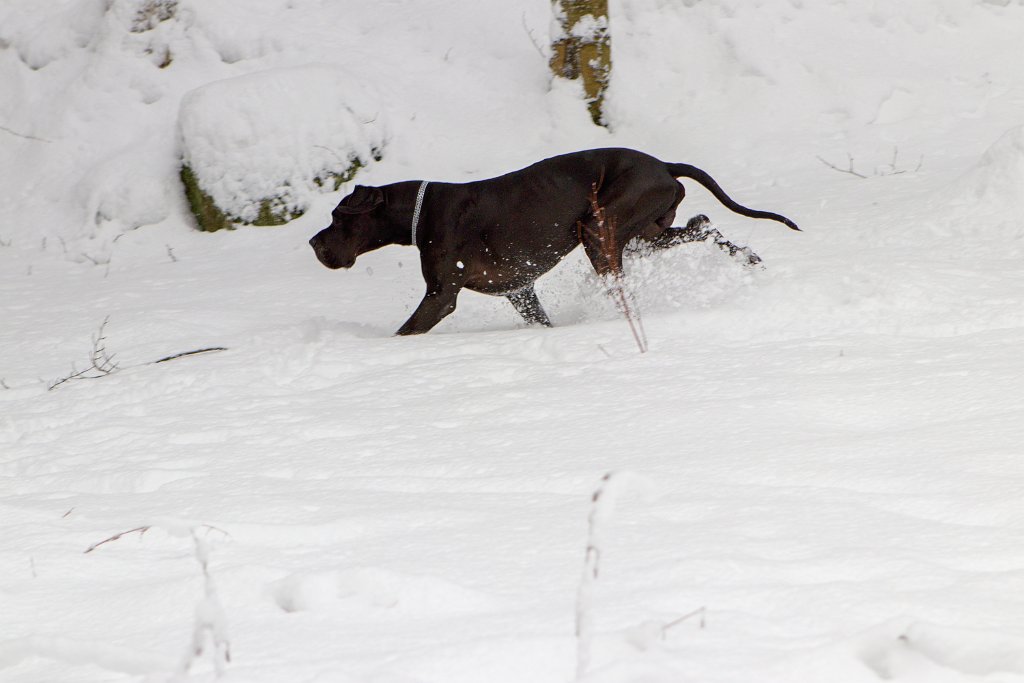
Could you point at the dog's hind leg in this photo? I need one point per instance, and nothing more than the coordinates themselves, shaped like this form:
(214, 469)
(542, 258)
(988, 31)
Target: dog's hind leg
(601, 245)
(697, 229)
(631, 207)
(525, 301)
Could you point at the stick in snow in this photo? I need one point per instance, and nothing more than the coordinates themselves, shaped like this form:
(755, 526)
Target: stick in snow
(585, 591)
(188, 353)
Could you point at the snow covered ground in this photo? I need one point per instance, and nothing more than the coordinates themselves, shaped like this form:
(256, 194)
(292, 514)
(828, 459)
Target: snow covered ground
(824, 455)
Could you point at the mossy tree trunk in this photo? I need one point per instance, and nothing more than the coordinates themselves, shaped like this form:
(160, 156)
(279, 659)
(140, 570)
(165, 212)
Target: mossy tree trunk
(583, 49)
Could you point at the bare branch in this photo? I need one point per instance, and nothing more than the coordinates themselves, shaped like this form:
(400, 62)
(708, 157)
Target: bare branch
(23, 135)
(843, 170)
(98, 261)
(891, 169)
(141, 530)
(103, 363)
(101, 360)
(187, 353)
(675, 622)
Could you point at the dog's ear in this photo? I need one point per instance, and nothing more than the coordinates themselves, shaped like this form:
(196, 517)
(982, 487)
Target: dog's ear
(362, 200)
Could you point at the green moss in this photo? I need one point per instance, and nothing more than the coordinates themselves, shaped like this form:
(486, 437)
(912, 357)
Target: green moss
(272, 210)
(208, 217)
(355, 165)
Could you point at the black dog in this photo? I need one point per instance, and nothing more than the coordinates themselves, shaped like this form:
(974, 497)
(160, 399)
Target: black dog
(498, 236)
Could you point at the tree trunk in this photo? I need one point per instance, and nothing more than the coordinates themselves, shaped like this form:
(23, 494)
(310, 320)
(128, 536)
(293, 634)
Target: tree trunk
(583, 50)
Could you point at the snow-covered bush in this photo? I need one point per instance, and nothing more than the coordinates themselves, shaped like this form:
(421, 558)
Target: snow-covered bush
(256, 148)
(998, 177)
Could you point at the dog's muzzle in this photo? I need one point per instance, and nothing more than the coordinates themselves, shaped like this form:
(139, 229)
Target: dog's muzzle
(325, 257)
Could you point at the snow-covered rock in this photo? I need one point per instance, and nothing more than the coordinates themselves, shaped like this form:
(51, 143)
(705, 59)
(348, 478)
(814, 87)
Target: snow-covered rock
(258, 147)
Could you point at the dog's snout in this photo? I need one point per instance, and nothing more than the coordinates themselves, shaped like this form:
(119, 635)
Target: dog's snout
(313, 241)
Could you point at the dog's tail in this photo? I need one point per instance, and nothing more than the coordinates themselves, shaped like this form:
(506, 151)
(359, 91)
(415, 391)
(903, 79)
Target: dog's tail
(688, 171)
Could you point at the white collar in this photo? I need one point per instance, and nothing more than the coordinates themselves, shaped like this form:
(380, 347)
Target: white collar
(419, 207)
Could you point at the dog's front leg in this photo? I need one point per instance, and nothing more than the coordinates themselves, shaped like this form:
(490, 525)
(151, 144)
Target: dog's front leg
(432, 310)
(444, 281)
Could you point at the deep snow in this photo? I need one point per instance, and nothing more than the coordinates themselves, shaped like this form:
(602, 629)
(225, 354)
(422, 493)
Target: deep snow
(823, 454)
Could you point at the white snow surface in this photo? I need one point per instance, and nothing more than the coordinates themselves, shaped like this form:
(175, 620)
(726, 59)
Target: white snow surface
(825, 455)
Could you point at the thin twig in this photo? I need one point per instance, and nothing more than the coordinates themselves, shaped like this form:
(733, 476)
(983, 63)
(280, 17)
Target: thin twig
(675, 622)
(187, 353)
(843, 170)
(98, 261)
(893, 170)
(141, 530)
(23, 135)
(101, 363)
(879, 171)
(533, 40)
(336, 155)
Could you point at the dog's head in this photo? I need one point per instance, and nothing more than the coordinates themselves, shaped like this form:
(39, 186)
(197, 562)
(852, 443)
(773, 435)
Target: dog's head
(354, 229)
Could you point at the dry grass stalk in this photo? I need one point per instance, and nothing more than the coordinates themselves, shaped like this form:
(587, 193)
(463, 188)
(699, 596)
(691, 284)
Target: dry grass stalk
(604, 232)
